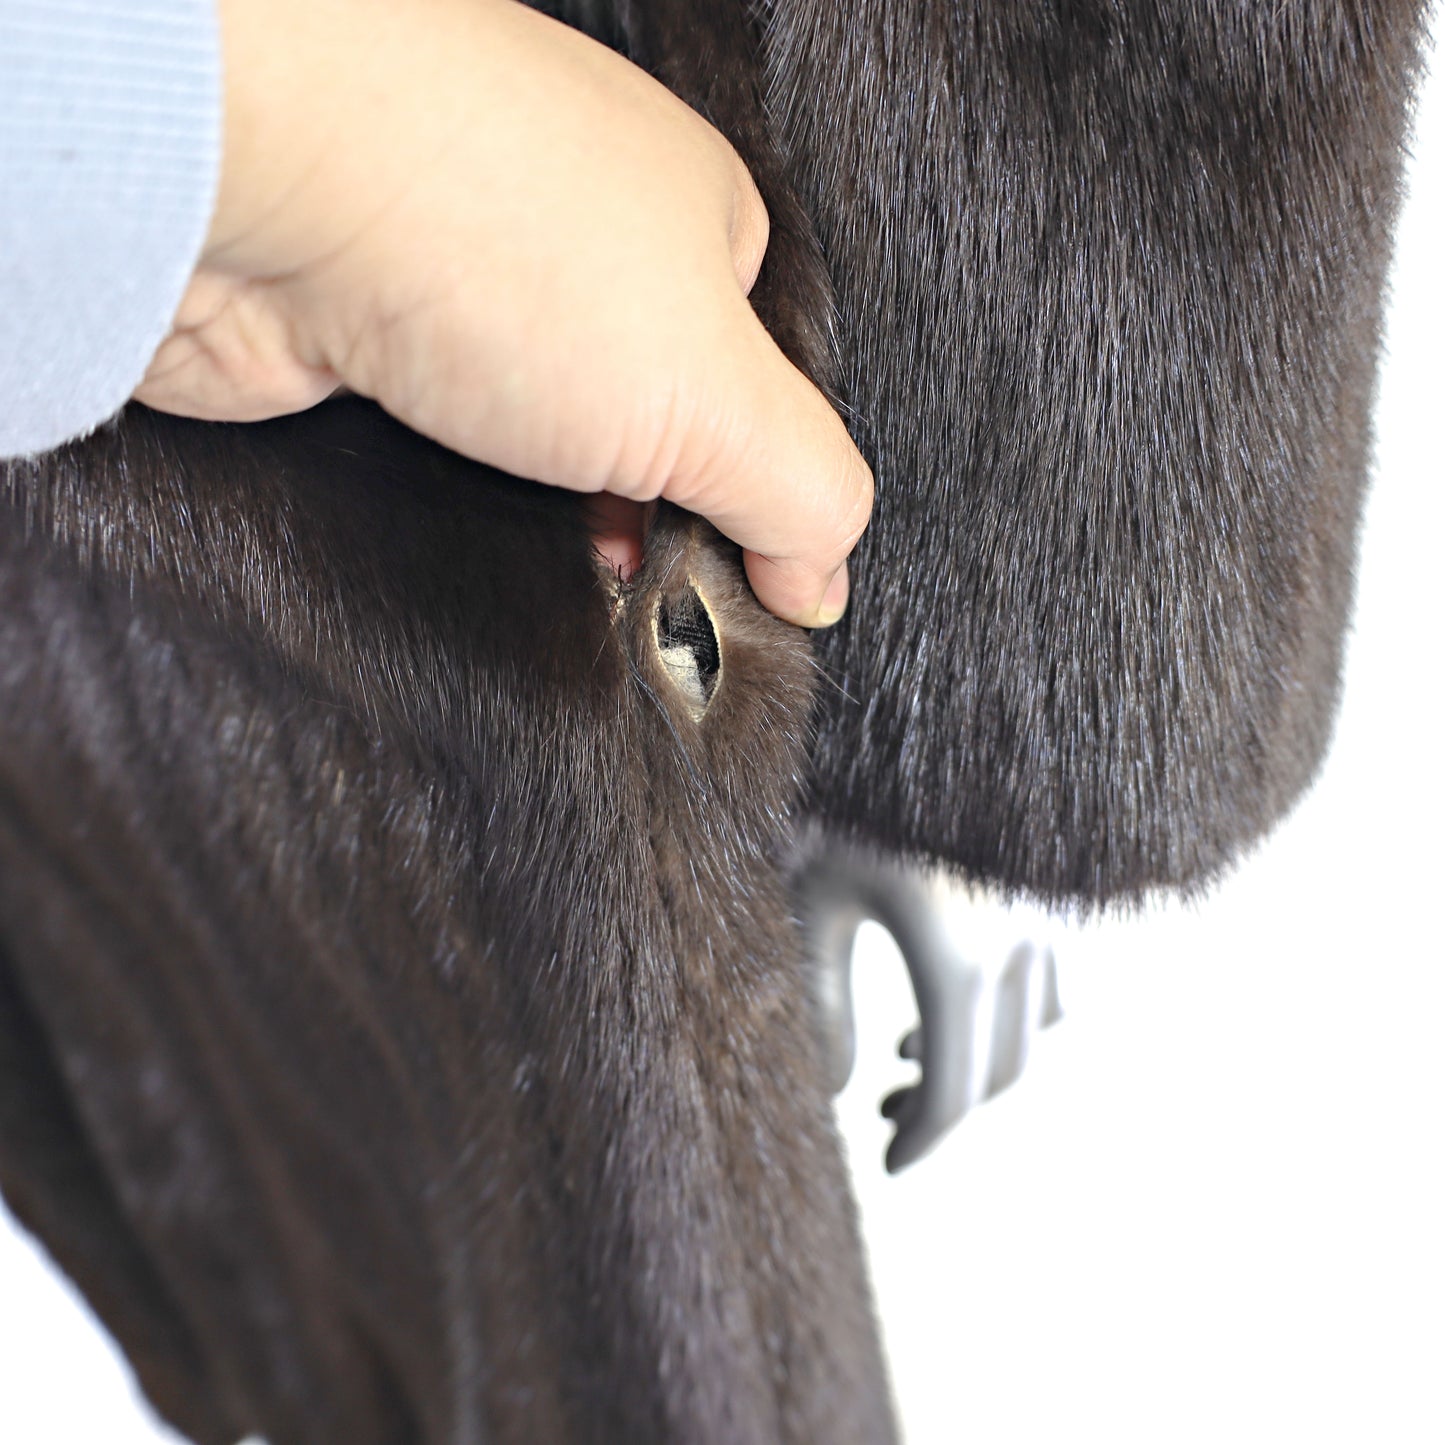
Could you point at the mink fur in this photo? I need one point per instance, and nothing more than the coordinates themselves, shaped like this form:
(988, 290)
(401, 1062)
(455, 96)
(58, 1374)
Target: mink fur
(403, 1035)
(1109, 317)
(1098, 288)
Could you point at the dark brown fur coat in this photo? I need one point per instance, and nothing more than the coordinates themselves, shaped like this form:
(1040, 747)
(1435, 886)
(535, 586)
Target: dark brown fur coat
(403, 1036)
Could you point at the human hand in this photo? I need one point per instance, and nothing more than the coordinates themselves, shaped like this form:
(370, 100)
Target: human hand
(521, 245)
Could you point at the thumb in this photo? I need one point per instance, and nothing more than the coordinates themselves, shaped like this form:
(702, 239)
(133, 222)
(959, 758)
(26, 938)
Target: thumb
(786, 482)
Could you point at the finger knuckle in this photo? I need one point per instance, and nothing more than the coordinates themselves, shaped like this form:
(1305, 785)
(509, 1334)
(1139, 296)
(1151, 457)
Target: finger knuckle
(751, 227)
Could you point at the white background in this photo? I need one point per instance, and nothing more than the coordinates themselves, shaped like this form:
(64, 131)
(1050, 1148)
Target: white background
(1213, 1207)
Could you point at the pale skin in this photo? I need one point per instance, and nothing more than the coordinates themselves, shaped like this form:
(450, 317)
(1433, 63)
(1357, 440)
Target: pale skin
(521, 245)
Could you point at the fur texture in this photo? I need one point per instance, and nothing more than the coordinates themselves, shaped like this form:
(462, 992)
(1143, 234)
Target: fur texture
(405, 1023)
(1108, 282)
(403, 1035)
(1098, 286)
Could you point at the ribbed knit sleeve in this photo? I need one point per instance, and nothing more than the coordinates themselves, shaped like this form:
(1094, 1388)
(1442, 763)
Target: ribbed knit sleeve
(110, 135)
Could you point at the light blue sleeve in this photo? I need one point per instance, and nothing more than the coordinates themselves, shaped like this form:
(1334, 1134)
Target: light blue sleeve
(110, 143)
